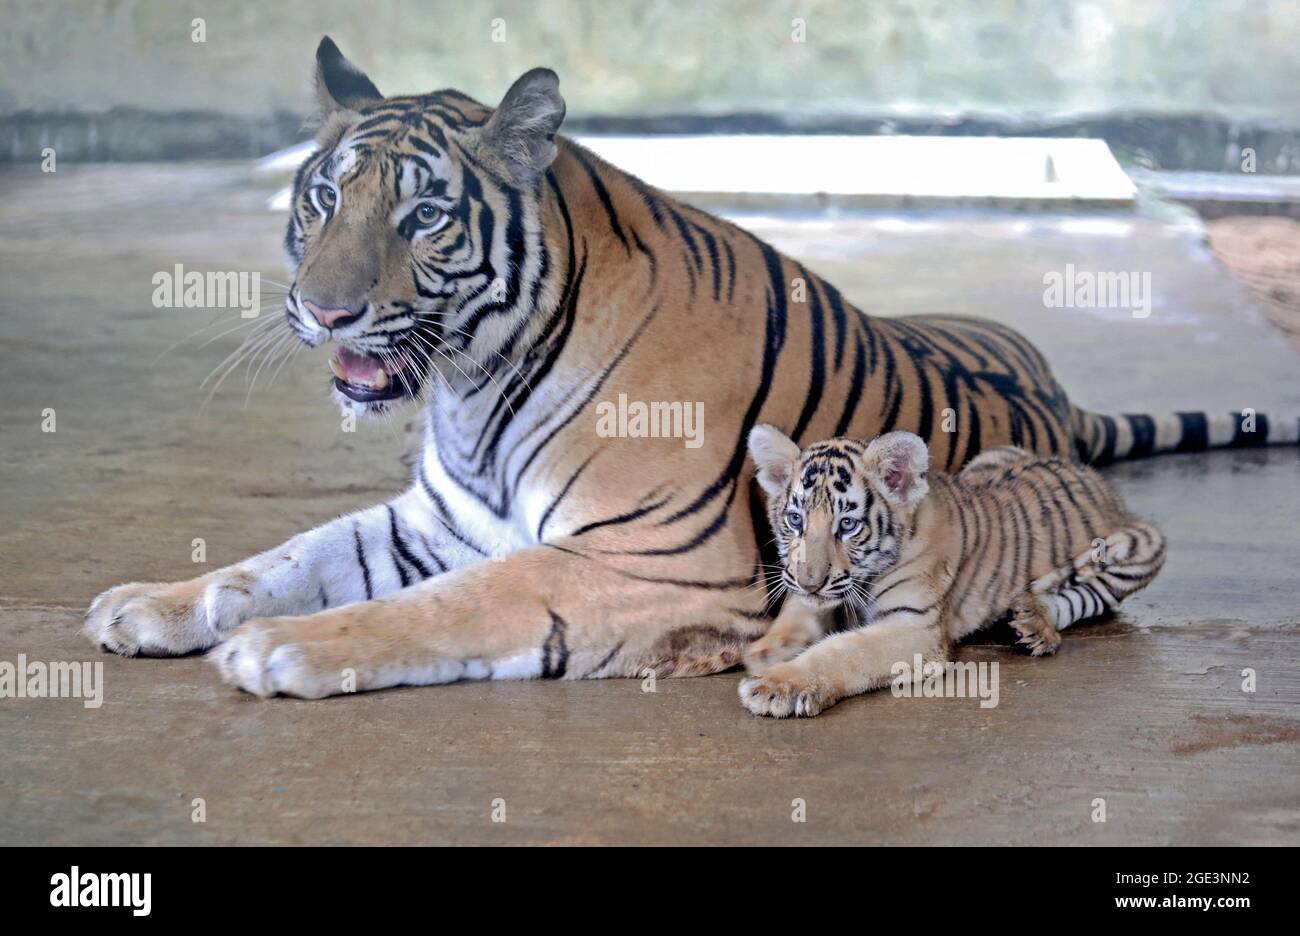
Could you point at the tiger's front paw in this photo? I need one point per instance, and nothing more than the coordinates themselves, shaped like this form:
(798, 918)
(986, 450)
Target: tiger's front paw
(154, 619)
(772, 649)
(285, 656)
(786, 690)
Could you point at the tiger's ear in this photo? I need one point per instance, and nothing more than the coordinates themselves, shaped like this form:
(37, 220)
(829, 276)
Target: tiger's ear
(775, 455)
(521, 131)
(340, 85)
(898, 463)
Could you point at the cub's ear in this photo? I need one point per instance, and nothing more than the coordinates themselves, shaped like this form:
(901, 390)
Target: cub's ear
(340, 85)
(898, 462)
(776, 456)
(521, 131)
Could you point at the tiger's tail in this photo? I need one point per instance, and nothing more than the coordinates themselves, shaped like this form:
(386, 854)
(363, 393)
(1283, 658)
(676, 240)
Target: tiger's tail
(1101, 439)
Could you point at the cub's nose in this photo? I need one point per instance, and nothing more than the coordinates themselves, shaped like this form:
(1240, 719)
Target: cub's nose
(810, 583)
(331, 318)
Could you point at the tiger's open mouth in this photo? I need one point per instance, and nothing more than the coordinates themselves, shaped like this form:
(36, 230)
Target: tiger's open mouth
(367, 379)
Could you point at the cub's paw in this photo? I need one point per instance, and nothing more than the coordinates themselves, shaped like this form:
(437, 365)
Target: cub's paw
(771, 650)
(156, 619)
(1034, 627)
(282, 656)
(783, 691)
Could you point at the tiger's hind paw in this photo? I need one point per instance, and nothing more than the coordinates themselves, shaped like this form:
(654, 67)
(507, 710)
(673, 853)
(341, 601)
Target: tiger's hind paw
(771, 650)
(1034, 627)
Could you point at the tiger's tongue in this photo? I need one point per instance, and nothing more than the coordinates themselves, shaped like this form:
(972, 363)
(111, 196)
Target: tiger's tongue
(358, 368)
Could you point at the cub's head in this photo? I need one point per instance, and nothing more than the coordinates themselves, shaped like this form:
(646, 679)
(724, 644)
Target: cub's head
(415, 233)
(839, 509)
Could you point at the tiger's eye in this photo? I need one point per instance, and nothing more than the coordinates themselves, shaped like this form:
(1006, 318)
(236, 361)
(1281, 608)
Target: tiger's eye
(326, 195)
(427, 214)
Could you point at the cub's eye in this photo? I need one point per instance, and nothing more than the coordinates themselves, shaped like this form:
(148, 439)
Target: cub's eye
(849, 525)
(326, 197)
(794, 519)
(428, 215)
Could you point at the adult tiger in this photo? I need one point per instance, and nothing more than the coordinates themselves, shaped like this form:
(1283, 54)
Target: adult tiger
(473, 256)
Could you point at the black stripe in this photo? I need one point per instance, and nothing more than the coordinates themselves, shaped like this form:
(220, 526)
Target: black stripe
(603, 194)
(546, 514)
(694, 542)
(888, 588)
(361, 559)
(1195, 433)
(650, 197)
(1085, 437)
(905, 609)
(856, 380)
(736, 584)
(926, 426)
(609, 658)
(1107, 453)
(1126, 576)
(731, 269)
(711, 245)
(1024, 530)
(428, 547)
(442, 514)
(621, 518)
(840, 319)
(892, 399)
(972, 432)
(962, 507)
(403, 576)
(555, 651)
(1144, 435)
(1075, 613)
(1018, 422)
(402, 549)
(817, 340)
(650, 258)
(684, 228)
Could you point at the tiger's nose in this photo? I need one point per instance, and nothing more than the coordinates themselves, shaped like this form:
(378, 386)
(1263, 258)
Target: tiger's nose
(810, 583)
(331, 318)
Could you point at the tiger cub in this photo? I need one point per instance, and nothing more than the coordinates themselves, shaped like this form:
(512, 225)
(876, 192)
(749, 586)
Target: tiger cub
(900, 562)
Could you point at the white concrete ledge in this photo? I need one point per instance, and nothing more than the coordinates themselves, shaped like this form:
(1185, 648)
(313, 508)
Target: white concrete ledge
(796, 171)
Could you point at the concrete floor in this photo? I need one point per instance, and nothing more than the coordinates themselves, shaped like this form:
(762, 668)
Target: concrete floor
(1145, 711)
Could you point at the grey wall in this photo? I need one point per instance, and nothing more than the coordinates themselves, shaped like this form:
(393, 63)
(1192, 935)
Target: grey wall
(1237, 58)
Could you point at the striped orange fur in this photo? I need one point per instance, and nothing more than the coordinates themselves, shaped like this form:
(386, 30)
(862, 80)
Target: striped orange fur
(473, 259)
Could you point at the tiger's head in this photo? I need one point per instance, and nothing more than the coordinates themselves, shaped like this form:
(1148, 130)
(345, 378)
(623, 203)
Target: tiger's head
(415, 234)
(840, 509)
